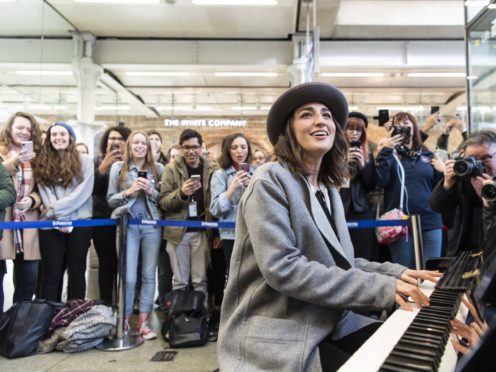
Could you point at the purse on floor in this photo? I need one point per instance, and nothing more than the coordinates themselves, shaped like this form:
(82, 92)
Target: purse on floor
(24, 325)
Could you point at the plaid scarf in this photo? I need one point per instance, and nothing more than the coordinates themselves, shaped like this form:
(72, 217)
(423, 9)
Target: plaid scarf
(24, 180)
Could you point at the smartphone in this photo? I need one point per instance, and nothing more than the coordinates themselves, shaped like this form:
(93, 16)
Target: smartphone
(383, 117)
(434, 109)
(142, 174)
(355, 144)
(244, 167)
(28, 146)
(196, 177)
(114, 146)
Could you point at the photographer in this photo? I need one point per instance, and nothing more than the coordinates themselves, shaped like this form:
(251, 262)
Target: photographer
(354, 192)
(420, 179)
(458, 195)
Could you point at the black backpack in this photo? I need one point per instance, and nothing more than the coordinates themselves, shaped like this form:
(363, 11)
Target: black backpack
(186, 323)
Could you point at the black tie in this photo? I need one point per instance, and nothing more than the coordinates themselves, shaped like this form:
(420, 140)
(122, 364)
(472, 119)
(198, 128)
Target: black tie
(338, 258)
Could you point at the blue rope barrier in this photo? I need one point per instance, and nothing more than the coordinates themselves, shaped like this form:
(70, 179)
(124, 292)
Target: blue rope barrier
(364, 224)
(57, 223)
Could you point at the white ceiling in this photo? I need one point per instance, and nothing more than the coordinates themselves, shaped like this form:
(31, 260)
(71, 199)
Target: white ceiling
(390, 37)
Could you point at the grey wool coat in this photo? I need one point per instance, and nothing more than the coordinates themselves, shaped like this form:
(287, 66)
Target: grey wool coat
(285, 293)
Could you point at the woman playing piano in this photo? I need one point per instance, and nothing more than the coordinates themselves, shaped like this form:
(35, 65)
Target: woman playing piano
(294, 281)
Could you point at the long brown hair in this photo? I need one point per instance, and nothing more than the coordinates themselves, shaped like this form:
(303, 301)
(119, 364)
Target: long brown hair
(6, 140)
(128, 157)
(333, 169)
(225, 160)
(357, 123)
(53, 169)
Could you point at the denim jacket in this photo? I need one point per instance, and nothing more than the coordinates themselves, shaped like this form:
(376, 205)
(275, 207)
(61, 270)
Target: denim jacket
(220, 206)
(115, 193)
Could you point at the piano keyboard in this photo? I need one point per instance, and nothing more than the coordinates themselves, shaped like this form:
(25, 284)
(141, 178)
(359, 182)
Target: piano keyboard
(422, 346)
(375, 351)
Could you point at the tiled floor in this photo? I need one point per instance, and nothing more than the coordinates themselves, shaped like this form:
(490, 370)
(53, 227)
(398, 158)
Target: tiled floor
(198, 359)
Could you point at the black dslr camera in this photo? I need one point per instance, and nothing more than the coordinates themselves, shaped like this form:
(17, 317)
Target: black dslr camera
(488, 191)
(468, 167)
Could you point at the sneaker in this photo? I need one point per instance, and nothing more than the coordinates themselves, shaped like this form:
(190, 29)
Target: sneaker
(145, 331)
(126, 326)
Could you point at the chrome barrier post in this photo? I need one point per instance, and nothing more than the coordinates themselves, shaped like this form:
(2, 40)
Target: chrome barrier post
(417, 242)
(121, 340)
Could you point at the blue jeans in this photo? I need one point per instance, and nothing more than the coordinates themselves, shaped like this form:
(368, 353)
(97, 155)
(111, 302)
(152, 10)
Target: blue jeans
(147, 239)
(402, 250)
(25, 278)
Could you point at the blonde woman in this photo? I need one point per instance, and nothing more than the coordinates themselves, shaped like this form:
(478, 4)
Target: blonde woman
(133, 190)
(65, 181)
(20, 142)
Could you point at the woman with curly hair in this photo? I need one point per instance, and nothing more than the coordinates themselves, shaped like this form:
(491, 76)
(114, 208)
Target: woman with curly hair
(20, 142)
(65, 182)
(133, 191)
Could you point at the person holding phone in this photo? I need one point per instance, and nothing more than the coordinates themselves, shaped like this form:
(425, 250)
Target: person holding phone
(132, 190)
(111, 150)
(20, 143)
(65, 182)
(354, 192)
(420, 179)
(185, 196)
(228, 185)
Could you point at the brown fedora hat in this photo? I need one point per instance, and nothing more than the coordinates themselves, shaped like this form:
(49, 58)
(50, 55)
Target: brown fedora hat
(298, 95)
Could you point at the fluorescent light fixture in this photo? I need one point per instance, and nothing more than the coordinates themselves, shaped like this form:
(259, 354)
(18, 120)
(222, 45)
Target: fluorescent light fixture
(436, 74)
(244, 108)
(59, 107)
(39, 106)
(353, 74)
(170, 108)
(8, 1)
(481, 108)
(472, 77)
(461, 108)
(477, 3)
(204, 108)
(118, 1)
(401, 108)
(112, 108)
(157, 73)
(492, 6)
(265, 107)
(248, 74)
(44, 72)
(236, 2)
(353, 108)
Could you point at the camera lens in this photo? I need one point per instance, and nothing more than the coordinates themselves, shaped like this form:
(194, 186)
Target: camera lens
(488, 192)
(462, 168)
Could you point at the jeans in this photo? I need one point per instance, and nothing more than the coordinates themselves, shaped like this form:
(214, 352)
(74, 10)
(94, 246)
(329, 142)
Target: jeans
(147, 239)
(58, 249)
(104, 240)
(190, 258)
(25, 278)
(402, 250)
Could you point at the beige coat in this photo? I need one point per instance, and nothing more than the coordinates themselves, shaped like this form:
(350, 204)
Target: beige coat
(29, 236)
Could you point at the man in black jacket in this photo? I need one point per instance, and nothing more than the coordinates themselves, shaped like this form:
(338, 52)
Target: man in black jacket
(458, 199)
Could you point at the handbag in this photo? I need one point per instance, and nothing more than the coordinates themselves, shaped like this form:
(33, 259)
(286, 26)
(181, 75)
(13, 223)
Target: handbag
(24, 325)
(390, 234)
(187, 323)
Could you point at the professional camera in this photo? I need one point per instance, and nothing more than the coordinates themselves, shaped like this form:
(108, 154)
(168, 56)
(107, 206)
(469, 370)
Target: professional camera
(488, 191)
(468, 167)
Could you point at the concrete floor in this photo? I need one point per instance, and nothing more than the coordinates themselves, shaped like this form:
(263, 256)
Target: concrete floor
(199, 359)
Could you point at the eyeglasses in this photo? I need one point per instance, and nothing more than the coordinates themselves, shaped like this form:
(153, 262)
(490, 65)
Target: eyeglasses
(116, 139)
(192, 147)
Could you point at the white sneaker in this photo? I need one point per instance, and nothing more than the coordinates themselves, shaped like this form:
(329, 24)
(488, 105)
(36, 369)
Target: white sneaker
(145, 331)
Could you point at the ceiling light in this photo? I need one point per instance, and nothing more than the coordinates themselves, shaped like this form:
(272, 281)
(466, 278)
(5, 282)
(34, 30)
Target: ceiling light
(265, 107)
(353, 108)
(157, 73)
(472, 77)
(251, 74)
(401, 108)
(8, 1)
(244, 108)
(170, 108)
(437, 74)
(44, 72)
(461, 108)
(235, 2)
(477, 3)
(112, 108)
(39, 106)
(118, 1)
(352, 74)
(492, 6)
(59, 107)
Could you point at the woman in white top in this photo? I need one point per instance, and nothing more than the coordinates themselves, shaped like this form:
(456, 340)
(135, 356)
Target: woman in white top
(65, 181)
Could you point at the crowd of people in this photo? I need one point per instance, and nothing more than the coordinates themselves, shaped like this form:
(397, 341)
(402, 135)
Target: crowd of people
(292, 269)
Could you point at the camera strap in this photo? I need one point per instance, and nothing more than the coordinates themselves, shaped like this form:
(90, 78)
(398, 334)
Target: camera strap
(401, 174)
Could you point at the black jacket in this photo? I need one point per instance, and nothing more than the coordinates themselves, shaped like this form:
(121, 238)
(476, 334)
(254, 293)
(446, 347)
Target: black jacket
(355, 197)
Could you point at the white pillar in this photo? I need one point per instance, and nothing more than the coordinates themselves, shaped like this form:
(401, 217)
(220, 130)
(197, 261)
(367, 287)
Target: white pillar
(301, 70)
(87, 74)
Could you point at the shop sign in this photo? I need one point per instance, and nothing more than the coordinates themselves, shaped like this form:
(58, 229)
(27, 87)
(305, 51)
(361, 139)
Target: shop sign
(204, 123)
